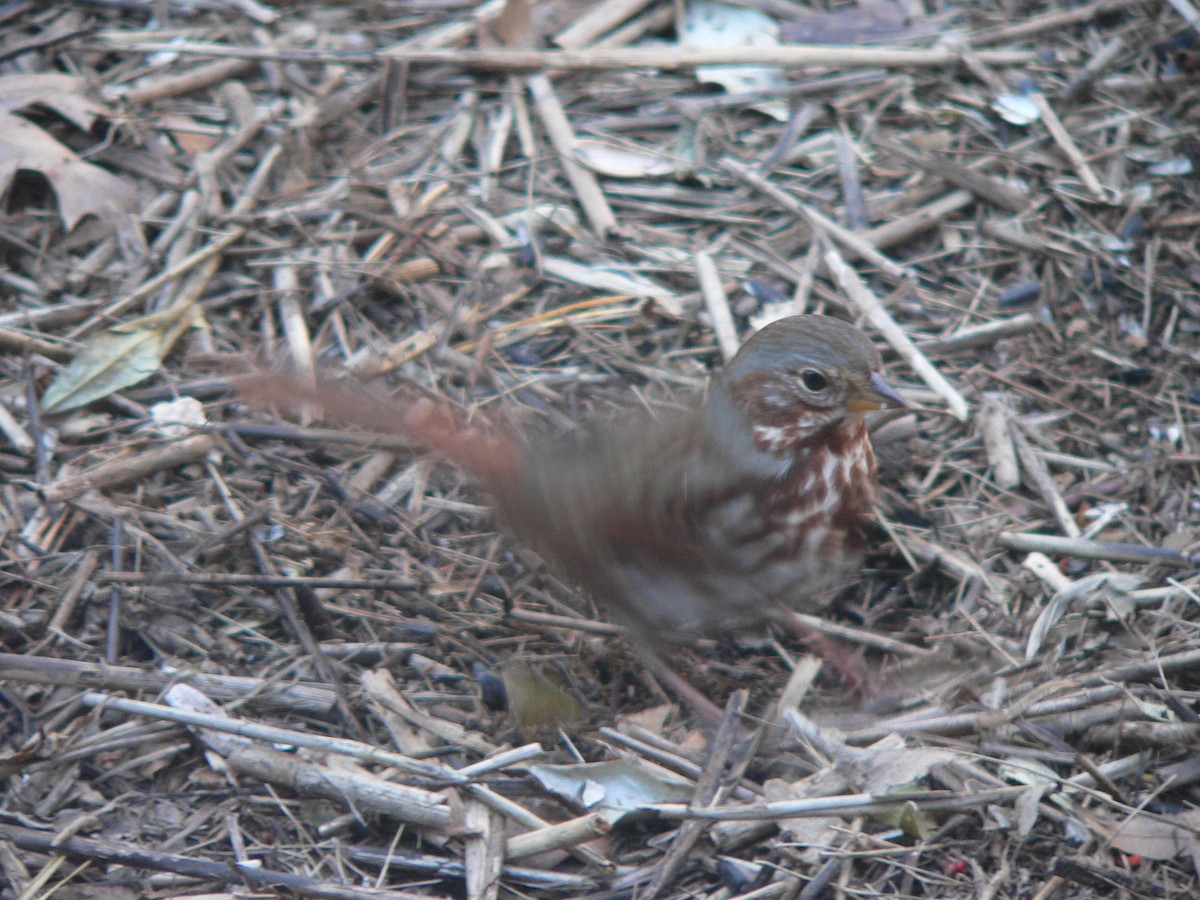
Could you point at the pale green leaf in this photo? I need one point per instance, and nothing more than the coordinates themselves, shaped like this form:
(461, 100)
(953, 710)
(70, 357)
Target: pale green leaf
(117, 358)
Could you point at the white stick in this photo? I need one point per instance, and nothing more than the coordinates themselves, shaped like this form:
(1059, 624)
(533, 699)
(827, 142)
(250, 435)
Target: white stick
(867, 303)
(717, 303)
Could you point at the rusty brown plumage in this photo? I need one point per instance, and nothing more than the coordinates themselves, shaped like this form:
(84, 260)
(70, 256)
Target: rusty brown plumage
(757, 494)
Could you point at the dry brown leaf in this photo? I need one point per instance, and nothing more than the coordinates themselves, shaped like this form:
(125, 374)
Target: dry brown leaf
(61, 93)
(81, 187)
(653, 719)
(1154, 837)
(185, 131)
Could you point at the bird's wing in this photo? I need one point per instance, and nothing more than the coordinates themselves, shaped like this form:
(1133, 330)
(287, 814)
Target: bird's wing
(645, 520)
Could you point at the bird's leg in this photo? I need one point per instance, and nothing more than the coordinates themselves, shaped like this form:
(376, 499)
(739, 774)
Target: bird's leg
(834, 652)
(674, 682)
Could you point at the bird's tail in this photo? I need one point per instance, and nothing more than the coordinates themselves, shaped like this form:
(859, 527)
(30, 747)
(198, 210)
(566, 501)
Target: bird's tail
(486, 452)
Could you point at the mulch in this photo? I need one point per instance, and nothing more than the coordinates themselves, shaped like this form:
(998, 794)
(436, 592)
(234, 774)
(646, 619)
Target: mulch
(250, 649)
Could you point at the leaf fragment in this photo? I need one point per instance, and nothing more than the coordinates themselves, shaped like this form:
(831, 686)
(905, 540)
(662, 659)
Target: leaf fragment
(117, 358)
(82, 188)
(614, 789)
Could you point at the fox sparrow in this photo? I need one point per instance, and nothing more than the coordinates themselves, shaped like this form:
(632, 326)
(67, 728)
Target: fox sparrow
(759, 493)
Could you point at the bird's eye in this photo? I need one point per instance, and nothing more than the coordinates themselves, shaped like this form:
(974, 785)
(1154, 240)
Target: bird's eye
(814, 380)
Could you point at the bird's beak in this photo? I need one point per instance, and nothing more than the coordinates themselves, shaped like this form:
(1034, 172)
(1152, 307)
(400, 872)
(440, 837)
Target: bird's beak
(877, 394)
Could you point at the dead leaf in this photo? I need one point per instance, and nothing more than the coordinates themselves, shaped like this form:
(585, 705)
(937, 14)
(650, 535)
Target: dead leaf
(537, 697)
(1042, 781)
(812, 835)
(81, 187)
(187, 134)
(620, 162)
(61, 93)
(1154, 837)
(613, 277)
(117, 358)
(711, 23)
(1113, 587)
(893, 770)
(888, 771)
(654, 719)
(614, 789)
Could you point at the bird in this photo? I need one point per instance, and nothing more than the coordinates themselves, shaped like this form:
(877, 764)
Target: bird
(757, 493)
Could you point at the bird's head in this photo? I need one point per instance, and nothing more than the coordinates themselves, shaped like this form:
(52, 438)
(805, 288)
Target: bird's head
(805, 376)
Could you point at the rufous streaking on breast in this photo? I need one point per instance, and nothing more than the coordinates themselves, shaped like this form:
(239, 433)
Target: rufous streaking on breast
(802, 388)
(756, 495)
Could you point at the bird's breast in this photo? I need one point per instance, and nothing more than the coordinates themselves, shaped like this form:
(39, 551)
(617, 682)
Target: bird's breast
(819, 513)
